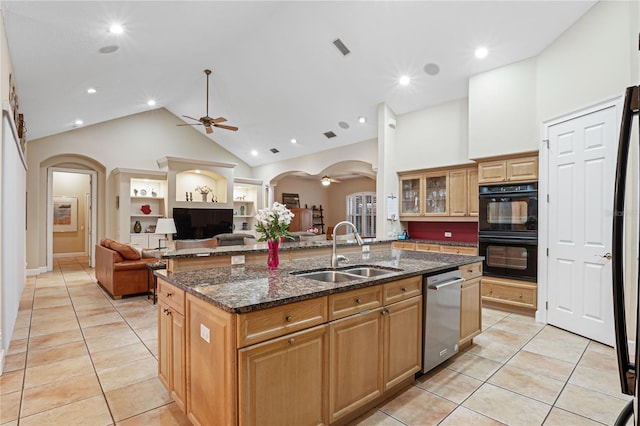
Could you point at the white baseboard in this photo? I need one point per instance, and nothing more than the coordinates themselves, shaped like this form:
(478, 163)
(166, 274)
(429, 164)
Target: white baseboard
(61, 255)
(36, 271)
(2, 357)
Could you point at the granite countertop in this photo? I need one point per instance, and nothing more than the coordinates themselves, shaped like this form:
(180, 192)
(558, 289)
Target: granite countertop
(251, 287)
(261, 247)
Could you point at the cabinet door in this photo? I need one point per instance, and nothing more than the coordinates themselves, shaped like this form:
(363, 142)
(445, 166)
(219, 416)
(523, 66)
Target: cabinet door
(164, 344)
(522, 169)
(402, 340)
(436, 194)
(284, 381)
(355, 362)
(411, 196)
(458, 195)
(178, 365)
(140, 240)
(473, 203)
(470, 310)
(492, 172)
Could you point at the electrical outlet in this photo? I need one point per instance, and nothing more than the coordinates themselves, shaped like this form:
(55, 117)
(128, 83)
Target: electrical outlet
(447, 234)
(205, 334)
(365, 249)
(237, 260)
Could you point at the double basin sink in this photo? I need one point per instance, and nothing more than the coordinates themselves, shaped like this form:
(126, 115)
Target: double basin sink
(348, 274)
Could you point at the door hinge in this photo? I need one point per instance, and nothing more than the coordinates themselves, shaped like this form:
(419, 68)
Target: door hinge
(547, 198)
(547, 251)
(546, 142)
(546, 305)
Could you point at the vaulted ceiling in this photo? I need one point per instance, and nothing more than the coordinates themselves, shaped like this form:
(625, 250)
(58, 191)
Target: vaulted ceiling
(277, 74)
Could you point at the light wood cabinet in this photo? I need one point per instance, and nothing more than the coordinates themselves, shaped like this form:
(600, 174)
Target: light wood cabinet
(442, 248)
(403, 245)
(433, 194)
(402, 338)
(470, 303)
(355, 362)
(171, 342)
(520, 169)
(283, 381)
(513, 294)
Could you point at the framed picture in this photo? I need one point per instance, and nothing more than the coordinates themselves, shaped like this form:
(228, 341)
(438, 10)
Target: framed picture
(65, 214)
(292, 201)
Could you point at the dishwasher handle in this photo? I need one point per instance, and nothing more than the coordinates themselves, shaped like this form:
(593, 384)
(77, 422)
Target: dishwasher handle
(445, 284)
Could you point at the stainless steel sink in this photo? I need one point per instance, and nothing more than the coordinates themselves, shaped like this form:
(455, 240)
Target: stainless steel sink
(367, 271)
(329, 276)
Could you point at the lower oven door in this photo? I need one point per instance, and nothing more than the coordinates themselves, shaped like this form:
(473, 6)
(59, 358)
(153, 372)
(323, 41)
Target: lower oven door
(510, 258)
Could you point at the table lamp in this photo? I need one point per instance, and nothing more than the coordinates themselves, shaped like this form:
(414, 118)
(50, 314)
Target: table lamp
(165, 226)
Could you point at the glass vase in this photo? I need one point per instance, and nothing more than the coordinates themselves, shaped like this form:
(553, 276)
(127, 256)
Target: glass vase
(272, 257)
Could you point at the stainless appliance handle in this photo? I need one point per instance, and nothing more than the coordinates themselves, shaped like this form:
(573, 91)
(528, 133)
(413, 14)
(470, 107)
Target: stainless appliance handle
(446, 284)
(626, 369)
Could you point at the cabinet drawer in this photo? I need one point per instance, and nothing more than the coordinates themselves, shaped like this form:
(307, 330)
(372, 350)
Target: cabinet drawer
(464, 250)
(259, 326)
(509, 292)
(352, 302)
(428, 247)
(403, 245)
(471, 271)
(171, 295)
(401, 290)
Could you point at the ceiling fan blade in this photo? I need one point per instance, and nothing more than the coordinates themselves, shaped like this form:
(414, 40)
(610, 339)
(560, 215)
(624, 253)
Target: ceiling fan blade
(218, 120)
(188, 124)
(208, 129)
(191, 118)
(223, 126)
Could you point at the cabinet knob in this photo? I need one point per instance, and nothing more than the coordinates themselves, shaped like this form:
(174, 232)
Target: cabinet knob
(490, 291)
(520, 295)
(404, 289)
(169, 294)
(357, 300)
(167, 311)
(291, 340)
(288, 318)
(385, 311)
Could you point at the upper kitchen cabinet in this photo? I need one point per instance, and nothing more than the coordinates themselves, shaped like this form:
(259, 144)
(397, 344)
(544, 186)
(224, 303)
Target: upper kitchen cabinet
(502, 111)
(437, 194)
(512, 169)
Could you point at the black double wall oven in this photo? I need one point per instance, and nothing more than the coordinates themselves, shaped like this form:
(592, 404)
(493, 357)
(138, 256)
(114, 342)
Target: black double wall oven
(508, 230)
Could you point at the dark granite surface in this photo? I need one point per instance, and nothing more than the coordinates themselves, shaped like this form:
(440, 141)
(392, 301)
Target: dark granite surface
(246, 288)
(261, 247)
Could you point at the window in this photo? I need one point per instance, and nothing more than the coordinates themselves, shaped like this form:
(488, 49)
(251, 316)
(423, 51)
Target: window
(361, 211)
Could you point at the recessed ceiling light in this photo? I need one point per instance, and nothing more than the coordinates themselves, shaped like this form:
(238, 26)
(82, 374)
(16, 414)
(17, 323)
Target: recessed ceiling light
(431, 69)
(294, 141)
(481, 52)
(151, 102)
(362, 119)
(91, 90)
(405, 80)
(254, 153)
(116, 29)
(108, 49)
(79, 122)
(197, 171)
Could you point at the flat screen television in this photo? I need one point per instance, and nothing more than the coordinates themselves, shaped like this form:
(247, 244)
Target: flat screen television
(201, 223)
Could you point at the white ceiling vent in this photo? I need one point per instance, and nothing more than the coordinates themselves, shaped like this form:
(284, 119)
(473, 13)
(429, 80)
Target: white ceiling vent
(341, 47)
(329, 134)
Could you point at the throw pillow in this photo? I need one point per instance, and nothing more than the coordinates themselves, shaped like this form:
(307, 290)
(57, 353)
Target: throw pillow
(125, 250)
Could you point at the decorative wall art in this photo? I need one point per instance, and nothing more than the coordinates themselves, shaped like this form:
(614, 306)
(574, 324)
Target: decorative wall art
(65, 214)
(291, 201)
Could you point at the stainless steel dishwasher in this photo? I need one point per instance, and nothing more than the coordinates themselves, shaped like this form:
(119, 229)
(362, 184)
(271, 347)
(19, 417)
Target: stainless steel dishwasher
(441, 317)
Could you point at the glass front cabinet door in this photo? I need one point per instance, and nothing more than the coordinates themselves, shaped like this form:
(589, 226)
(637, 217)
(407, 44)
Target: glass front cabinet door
(411, 196)
(436, 194)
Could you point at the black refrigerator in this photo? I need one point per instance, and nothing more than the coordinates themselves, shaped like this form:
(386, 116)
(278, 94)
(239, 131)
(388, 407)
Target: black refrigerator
(627, 363)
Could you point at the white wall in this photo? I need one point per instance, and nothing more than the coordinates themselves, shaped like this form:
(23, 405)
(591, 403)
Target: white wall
(502, 111)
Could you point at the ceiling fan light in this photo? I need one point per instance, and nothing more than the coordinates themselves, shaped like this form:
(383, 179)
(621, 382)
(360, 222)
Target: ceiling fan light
(326, 180)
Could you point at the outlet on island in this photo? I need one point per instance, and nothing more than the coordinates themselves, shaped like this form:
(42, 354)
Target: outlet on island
(205, 333)
(447, 234)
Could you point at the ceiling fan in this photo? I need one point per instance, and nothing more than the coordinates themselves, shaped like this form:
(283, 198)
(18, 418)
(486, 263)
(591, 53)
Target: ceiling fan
(326, 180)
(207, 121)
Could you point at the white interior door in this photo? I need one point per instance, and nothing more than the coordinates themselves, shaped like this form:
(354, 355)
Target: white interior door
(582, 156)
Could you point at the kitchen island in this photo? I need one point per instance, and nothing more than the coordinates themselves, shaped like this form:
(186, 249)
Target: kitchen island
(245, 345)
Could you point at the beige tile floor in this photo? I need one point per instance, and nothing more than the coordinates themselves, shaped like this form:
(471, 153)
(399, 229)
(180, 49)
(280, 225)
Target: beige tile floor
(79, 357)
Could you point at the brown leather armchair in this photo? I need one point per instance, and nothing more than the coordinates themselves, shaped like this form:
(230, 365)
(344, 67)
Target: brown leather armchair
(118, 275)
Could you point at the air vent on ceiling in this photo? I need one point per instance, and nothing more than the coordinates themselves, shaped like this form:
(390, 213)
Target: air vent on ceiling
(329, 134)
(274, 150)
(341, 47)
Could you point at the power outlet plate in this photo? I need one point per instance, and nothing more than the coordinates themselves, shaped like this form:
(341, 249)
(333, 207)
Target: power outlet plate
(448, 234)
(237, 260)
(366, 249)
(205, 334)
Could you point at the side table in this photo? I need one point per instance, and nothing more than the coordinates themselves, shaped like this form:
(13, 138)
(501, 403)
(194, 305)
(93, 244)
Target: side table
(152, 280)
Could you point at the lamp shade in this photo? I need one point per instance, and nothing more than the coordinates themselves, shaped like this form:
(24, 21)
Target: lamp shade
(166, 226)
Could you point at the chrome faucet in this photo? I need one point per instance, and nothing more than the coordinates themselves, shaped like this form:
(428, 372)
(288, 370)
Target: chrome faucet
(334, 257)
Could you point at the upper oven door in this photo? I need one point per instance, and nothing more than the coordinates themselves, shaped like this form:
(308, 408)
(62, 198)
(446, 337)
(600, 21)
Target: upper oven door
(509, 210)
